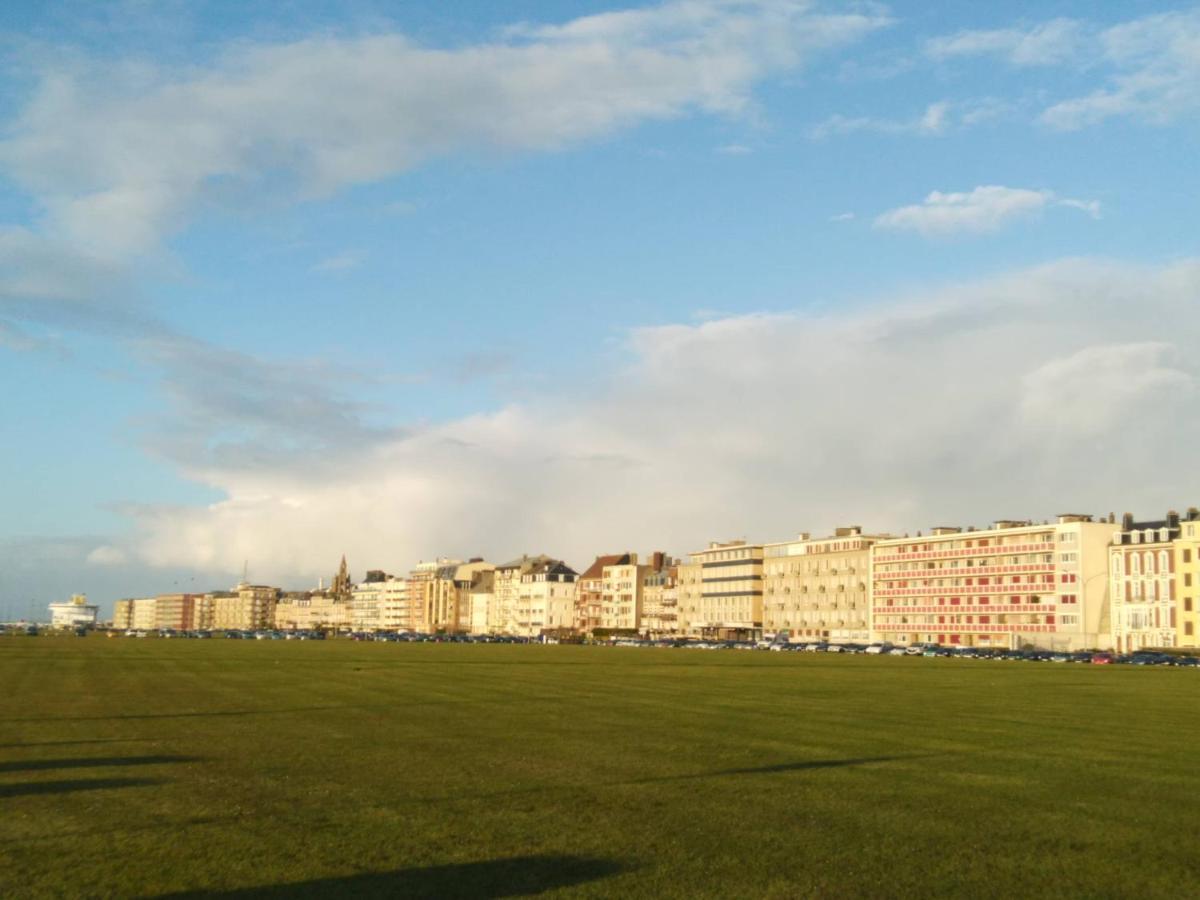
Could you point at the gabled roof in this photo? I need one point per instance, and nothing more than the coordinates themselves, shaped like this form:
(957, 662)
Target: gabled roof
(596, 569)
(525, 562)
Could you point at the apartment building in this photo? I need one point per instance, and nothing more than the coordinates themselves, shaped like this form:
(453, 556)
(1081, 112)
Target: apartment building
(819, 588)
(175, 612)
(621, 594)
(449, 594)
(366, 603)
(660, 601)
(144, 616)
(506, 588)
(249, 607)
(1187, 581)
(423, 612)
(545, 602)
(589, 592)
(482, 601)
(1011, 585)
(123, 615)
(1152, 567)
(720, 592)
(312, 611)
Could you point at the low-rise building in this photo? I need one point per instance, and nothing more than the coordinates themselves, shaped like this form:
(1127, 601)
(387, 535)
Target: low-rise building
(317, 610)
(818, 588)
(1012, 585)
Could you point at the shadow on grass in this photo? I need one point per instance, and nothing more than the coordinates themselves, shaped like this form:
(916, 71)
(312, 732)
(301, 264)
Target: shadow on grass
(76, 743)
(516, 877)
(804, 766)
(37, 788)
(191, 715)
(46, 765)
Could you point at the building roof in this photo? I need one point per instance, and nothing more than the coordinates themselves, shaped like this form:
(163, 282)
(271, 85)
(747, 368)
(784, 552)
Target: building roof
(596, 569)
(524, 562)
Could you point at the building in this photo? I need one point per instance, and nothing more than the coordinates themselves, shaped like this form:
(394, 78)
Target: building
(589, 593)
(660, 601)
(74, 613)
(448, 596)
(1152, 567)
(123, 615)
(1187, 581)
(249, 607)
(817, 589)
(621, 595)
(545, 603)
(427, 599)
(482, 601)
(144, 615)
(506, 588)
(1013, 585)
(366, 602)
(318, 610)
(175, 612)
(720, 592)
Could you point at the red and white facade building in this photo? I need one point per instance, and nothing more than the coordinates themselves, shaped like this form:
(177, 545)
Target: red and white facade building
(1013, 585)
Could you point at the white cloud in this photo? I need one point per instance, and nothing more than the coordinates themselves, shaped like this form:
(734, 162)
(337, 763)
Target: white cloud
(119, 155)
(1014, 395)
(1150, 66)
(1050, 43)
(107, 555)
(842, 217)
(935, 120)
(734, 150)
(983, 209)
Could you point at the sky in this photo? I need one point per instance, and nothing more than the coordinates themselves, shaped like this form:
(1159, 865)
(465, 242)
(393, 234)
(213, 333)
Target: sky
(280, 282)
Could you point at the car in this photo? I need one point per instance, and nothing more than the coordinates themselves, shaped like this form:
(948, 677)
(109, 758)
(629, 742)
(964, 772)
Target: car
(878, 648)
(899, 651)
(81, 632)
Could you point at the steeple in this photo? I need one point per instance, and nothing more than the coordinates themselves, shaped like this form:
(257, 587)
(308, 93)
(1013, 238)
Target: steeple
(340, 589)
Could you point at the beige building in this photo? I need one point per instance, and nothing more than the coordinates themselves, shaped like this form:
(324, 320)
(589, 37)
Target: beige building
(424, 606)
(589, 593)
(506, 590)
(366, 603)
(482, 602)
(123, 615)
(818, 588)
(312, 611)
(660, 602)
(545, 603)
(1187, 581)
(720, 592)
(144, 615)
(249, 607)
(1152, 567)
(449, 596)
(1011, 585)
(621, 594)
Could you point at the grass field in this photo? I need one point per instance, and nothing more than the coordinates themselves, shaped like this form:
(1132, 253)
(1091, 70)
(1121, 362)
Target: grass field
(150, 767)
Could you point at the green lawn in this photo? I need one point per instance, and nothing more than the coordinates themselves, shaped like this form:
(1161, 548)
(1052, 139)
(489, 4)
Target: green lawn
(147, 767)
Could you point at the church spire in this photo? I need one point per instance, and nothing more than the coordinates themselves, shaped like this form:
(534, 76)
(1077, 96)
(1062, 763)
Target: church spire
(340, 590)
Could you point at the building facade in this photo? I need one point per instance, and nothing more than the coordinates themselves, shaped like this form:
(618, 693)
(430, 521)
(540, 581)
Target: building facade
(74, 613)
(545, 603)
(1187, 581)
(1014, 585)
(720, 592)
(819, 588)
(589, 593)
(1152, 566)
(660, 602)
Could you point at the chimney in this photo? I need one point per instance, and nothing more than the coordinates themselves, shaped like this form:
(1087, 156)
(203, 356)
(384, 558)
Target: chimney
(1172, 519)
(1127, 522)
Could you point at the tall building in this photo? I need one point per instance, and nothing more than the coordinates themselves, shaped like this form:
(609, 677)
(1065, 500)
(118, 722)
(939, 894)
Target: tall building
(449, 594)
(720, 592)
(123, 615)
(818, 588)
(660, 601)
(1011, 585)
(621, 595)
(144, 615)
(545, 602)
(506, 590)
(482, 601)
(589, 593)
(249, 607)
(1153, 572)
(1187, 581)
(424, 611)
(175, 612)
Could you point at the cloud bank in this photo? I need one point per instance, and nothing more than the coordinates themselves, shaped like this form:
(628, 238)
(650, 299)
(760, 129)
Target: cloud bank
(983, 209)
(1010, 396)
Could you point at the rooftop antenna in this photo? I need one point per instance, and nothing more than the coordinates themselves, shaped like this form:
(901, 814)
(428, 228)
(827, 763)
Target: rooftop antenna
(245, 571)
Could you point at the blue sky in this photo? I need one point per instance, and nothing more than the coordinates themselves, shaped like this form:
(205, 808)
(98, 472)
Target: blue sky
(283, 281)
